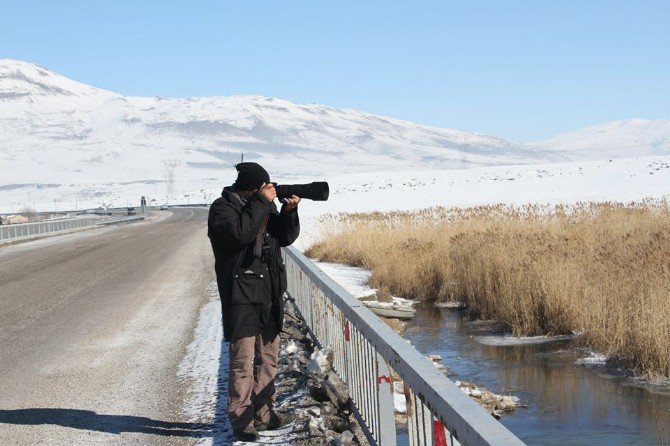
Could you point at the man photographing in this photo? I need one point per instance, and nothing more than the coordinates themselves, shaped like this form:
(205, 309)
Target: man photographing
(246, 232)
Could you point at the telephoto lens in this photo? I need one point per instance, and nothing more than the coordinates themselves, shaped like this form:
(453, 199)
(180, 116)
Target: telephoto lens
(317, 191)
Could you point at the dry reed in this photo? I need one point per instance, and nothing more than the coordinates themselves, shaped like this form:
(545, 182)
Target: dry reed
(598, 268)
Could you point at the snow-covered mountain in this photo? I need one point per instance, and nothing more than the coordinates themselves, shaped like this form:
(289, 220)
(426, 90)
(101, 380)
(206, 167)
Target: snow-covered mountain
(60, 139)
(617, 139)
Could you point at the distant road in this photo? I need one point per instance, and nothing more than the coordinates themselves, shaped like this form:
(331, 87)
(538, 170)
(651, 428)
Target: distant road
(92, 328)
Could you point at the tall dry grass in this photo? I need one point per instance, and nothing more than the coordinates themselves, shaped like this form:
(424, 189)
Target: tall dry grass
(600, 268)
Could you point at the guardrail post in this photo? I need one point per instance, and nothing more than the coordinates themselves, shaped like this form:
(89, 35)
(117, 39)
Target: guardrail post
(387, 433)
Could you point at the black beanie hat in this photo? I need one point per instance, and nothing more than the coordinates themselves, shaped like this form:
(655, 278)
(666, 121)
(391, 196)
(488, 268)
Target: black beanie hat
(250, 176)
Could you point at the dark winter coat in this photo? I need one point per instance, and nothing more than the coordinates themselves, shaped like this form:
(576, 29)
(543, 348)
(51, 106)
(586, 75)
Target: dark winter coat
(250, 288)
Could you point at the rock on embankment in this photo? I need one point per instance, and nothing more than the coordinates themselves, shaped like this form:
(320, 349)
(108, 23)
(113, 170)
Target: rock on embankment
(308, 388)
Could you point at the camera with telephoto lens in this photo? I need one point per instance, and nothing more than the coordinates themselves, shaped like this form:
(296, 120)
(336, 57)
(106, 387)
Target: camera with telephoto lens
(317, 191)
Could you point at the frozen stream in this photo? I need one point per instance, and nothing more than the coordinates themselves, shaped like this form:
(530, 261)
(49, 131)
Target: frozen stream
(567, 403)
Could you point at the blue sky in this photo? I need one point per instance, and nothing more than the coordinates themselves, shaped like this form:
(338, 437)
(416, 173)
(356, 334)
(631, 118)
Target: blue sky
(521, 70)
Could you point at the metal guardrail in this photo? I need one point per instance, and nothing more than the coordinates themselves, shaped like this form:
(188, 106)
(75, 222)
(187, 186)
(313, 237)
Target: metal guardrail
(120, 221)
(28, 230)
(364, 347)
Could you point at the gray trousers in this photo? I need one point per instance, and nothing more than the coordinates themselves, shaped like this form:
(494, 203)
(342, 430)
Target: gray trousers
(251, 379)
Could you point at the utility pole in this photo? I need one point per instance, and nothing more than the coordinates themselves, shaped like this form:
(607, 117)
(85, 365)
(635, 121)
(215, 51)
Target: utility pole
(170, 166)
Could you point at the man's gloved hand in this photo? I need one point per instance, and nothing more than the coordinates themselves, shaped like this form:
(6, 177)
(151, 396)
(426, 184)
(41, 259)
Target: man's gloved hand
(268, 191)
(290, 204)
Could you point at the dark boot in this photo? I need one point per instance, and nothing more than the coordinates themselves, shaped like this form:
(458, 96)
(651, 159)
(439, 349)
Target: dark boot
(247, 434)
(277, 420)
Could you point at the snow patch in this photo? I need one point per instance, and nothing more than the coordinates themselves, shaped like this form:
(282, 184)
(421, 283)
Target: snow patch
(321, 361)
(291, 348)
(351, 278)
(503, 341)
(450, 304)
(592, 359)
(399, 400)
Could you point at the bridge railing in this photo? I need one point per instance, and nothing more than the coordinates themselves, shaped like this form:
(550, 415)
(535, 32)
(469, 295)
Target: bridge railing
(366, 351)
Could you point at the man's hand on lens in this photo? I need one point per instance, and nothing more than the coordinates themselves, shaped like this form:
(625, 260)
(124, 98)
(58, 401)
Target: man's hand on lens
(291, 203)
(268, 191)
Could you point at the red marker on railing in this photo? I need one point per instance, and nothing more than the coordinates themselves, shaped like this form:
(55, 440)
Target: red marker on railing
(384, 378)
(439, 436)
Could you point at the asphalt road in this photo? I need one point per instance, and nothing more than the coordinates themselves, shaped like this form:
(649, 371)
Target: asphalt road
(92, 328)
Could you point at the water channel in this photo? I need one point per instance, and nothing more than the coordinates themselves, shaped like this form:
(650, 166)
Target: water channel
(568, 404)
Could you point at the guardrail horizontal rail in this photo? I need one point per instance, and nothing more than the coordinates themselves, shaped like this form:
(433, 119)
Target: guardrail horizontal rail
(120, 221)
(438, 412)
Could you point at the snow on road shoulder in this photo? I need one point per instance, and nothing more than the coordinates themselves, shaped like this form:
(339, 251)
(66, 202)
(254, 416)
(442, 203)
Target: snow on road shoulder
(204, 369)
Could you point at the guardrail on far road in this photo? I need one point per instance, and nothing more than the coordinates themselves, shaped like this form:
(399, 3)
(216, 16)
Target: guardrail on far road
(30, 230)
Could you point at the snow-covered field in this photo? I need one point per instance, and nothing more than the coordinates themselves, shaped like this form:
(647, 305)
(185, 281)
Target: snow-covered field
(625, 180)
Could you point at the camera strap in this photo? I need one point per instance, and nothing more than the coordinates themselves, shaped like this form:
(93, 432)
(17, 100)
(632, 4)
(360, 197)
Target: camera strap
(258, 245)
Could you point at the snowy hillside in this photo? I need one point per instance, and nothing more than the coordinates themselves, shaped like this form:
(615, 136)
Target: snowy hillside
(61, 140)
(618, 139)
